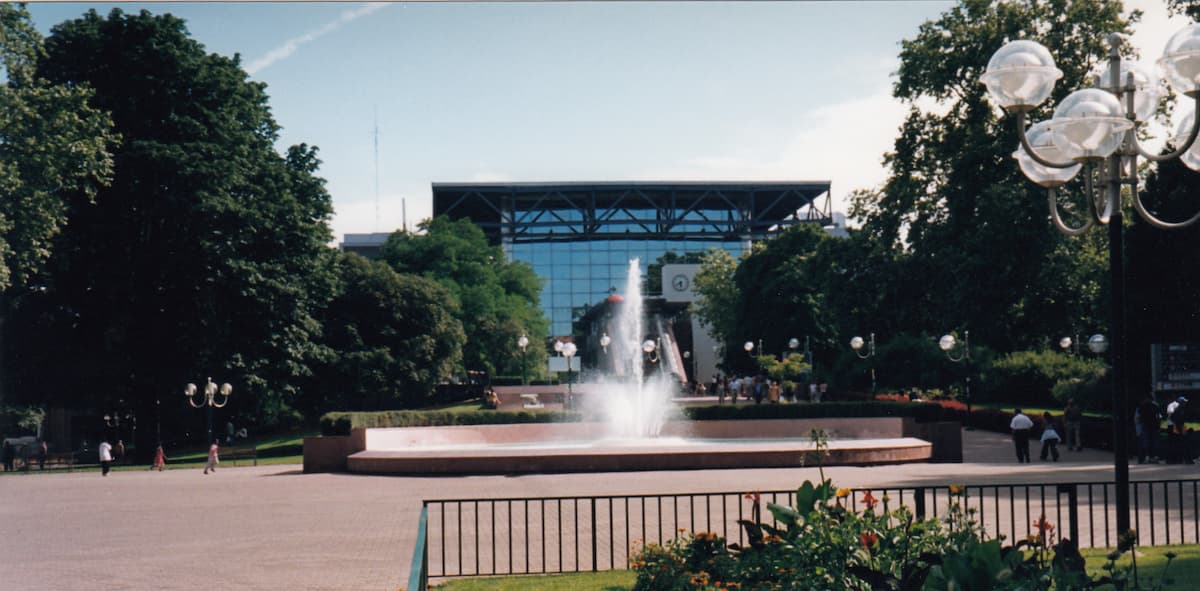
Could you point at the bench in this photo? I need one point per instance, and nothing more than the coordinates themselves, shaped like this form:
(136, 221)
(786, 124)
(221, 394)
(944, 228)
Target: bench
(245, 452)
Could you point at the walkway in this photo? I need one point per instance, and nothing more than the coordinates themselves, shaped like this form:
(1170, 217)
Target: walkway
(271, 527)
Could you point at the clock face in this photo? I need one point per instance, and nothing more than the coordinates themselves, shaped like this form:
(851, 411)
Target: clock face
(681, 283)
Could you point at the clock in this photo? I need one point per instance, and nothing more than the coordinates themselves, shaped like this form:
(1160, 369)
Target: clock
(681, 283)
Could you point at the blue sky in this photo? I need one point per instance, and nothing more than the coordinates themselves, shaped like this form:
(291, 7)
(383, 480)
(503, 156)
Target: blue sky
(570, 91)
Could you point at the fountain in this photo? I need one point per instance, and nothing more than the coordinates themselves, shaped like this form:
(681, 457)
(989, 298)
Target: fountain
(636, 432)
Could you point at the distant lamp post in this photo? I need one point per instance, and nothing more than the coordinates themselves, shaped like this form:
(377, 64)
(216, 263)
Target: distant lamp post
(523, 343)
(793, 344)
(209, 400)
(1069, 345)
(948, 344)
(650, 348)
(605, 341)
(1094, 131)
(749, 347)
(568, 351)
(1098, 344)
(858, 344)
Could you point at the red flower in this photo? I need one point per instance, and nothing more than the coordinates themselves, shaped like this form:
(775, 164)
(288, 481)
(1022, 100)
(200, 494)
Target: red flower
(1043, 526)
(868, 539)
(753, 496)
(869, 500)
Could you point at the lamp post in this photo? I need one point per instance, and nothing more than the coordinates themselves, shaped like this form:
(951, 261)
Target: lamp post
(1094, 130)
(523, 343)
(948, 343)
(209, 400)
(857, 344)
(568, 351)
(1069, 345)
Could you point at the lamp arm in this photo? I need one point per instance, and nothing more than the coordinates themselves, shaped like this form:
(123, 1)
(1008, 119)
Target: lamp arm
(1179, 150)
(192, 402)
(1101, 216)
(1058, 222)
(1154, 221)
(1029, 149)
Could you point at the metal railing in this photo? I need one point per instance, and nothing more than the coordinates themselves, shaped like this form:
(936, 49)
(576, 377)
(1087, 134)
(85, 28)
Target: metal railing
(541, 535)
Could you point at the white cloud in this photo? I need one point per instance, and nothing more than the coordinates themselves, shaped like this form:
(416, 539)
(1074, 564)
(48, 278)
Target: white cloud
(291, 45)
(843, 143)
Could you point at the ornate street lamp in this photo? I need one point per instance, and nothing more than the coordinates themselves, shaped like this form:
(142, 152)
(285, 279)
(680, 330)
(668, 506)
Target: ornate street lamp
(948, 344)
(1098, 344)
(209, 400)
(857, 344)
(1094, 131)
(523, 343)
(568, 351)
(650, 348)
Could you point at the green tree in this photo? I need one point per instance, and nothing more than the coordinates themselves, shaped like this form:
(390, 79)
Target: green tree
(497, 299)
(717, 304)
(207, 256)
(393, 338)
(971, 236)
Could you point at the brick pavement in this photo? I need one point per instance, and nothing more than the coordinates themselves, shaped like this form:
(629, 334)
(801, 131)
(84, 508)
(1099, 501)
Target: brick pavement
(271, 527)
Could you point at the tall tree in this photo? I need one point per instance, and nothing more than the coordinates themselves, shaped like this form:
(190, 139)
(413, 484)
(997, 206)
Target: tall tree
(206, 256)
(497, 299)
(392, 337)
(970, 232)
(53, 147)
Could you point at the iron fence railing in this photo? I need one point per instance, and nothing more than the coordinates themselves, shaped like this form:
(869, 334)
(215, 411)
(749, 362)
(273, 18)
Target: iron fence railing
(469, 537)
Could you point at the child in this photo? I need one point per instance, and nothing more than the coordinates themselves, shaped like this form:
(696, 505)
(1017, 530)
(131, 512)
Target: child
(213, 459)
(1050, 437)
(160, 459)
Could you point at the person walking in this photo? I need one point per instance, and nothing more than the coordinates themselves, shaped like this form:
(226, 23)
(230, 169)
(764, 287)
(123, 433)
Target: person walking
(1021, 425)
(160, 459)
(106, 457)
(213, 457)
(1073, 415)
(1050, 437)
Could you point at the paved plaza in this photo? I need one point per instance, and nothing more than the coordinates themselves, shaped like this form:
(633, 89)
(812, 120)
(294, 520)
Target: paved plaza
(272, 527)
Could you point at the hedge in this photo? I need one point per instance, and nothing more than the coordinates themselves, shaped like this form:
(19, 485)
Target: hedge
(340, 423)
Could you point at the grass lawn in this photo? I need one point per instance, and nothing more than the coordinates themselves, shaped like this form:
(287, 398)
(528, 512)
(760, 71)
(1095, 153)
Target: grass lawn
(1184, 570)
(1184, 574)
(612, 580)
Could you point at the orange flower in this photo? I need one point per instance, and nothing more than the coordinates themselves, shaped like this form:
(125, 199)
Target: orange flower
(868, 539)
(1043, 526)
(957, 489)
(843, 492)
(753, 496)
(869, 500)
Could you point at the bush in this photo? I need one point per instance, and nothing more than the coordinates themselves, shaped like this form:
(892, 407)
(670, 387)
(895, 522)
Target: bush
(921, 411)
(1028, 377)
(340, 423)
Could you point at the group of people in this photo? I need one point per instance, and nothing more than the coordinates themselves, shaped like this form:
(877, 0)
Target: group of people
(1147, 422)
(759, 389)
(1052, 432)
(108, 454)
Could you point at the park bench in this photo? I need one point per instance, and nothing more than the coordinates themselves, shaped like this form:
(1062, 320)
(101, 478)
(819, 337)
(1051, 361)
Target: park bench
(245, 452)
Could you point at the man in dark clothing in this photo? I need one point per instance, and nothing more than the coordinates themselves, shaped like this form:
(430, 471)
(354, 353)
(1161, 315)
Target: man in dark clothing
(1073, 416)
(1148, 420)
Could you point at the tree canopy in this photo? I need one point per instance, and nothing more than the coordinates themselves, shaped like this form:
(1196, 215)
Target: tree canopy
(497, 299)
(207, 254)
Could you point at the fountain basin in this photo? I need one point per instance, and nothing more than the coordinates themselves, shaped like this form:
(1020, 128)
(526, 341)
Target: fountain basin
(584, 447)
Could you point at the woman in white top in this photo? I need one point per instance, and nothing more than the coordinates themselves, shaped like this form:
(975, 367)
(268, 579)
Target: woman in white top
(105, 457)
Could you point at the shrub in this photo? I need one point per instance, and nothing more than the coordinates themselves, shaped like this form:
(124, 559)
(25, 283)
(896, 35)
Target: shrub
(922, 412)
(1028, 377)
(340, 423)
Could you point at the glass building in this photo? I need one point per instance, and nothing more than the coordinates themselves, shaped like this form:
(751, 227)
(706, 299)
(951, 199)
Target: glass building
(580, 236)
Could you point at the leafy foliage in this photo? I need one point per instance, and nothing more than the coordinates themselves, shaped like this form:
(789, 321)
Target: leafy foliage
(207, 254)
(392, 338)
(1029, 377)
(497, 299)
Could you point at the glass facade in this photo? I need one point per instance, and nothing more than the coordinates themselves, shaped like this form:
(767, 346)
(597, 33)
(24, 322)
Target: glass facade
(579, 275)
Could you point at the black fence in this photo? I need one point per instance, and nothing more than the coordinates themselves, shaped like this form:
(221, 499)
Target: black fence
(571, 534)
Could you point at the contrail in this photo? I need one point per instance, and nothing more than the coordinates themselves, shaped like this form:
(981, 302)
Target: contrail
(290, 47)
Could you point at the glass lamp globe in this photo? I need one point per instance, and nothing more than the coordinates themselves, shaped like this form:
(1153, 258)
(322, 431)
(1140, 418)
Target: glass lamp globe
(1147, 87)
(569, 349)
(1181, 60)
(1190, 158)
(1098, 343)
(748, 346)
(1020, 75)
(523, 342)
(856, 343)
(793, 343)
(1042, 142)
(558, 346)
(649, 346)
(1087, 125)
(946, 343)
(605, 340)
(1065, 343)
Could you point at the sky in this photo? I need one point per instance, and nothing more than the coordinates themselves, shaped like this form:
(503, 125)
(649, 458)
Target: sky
(574, 91)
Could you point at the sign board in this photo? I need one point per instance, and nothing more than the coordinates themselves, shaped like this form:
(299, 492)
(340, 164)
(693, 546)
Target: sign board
(1175, 367)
